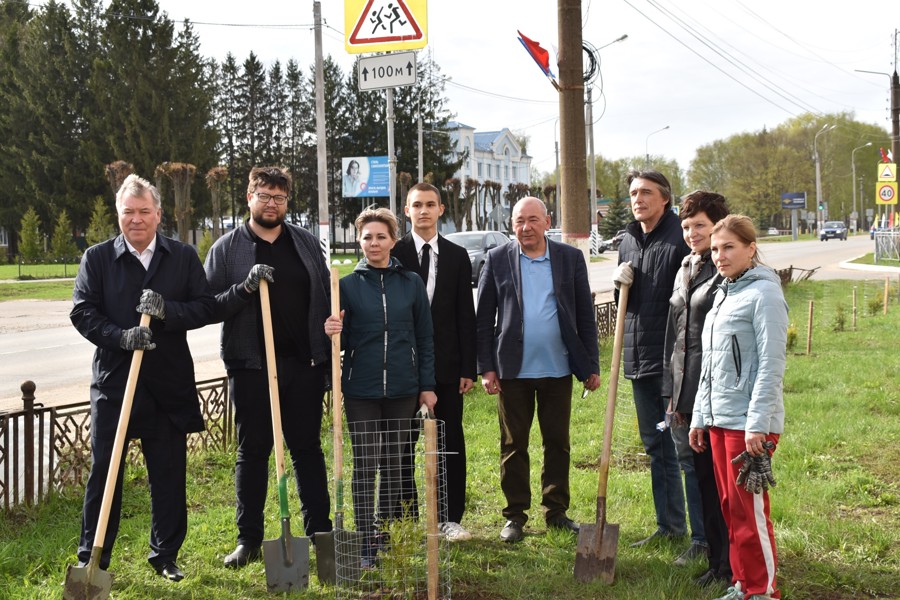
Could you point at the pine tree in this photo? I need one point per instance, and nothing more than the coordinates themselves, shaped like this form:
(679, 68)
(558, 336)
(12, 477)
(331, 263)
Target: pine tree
(62, 244)
(100, 228)
(226, 121)
(31, 246)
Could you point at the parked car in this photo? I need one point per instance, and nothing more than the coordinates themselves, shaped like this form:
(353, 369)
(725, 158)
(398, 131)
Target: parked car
(833, 229)
(773, 231)
(615, 240)
(477, 244)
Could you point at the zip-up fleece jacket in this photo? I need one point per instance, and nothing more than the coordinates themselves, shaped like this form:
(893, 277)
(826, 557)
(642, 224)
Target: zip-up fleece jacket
(387, 333)
(744, 348)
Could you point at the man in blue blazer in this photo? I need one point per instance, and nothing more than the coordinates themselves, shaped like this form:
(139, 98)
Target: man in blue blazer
(536, 327)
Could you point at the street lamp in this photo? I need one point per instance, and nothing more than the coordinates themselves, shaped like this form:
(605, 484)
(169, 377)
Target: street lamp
(819, 200)
(647, 146)
(855, 220)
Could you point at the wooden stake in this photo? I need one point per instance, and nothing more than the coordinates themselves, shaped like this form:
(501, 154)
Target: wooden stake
(887, 291)
(854, 307)
(809, 327)
(431, 485)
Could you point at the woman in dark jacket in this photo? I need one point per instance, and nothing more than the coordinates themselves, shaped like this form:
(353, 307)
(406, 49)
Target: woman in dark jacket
(388, 368)
(695, 286)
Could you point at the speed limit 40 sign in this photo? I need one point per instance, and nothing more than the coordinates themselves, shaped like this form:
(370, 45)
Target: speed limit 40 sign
(886, 192)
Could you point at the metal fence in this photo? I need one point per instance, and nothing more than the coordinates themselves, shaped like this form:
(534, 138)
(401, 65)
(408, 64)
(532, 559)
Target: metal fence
(47, 449)
(887, 246)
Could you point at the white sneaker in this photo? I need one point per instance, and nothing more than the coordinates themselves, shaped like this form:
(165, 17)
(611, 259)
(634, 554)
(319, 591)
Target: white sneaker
(454, 532)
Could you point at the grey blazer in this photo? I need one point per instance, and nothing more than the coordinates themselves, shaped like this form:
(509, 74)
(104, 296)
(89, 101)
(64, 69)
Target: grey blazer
(500, 326)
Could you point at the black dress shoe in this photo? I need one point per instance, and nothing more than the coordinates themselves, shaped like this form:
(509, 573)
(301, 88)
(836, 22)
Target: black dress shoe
(242, 556)
(512, 533)
(564, 523)
(169, 570)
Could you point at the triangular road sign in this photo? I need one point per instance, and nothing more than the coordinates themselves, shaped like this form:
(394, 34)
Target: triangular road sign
(385, 21)
(887, 172)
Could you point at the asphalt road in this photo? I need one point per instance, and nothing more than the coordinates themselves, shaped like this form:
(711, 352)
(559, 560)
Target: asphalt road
(38, 342)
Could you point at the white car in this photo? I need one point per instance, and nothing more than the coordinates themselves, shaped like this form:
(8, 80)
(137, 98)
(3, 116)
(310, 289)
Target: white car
(773, 231)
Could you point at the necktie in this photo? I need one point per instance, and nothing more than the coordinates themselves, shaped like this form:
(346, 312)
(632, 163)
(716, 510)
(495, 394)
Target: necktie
(425, 265)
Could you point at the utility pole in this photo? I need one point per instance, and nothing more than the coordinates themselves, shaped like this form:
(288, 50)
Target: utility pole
(573, 174)
(321, 151)
(392, 156)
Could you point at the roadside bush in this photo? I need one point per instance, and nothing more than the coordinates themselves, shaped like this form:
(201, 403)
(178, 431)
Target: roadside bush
(840, 318)
(792, 335)
(876, 303)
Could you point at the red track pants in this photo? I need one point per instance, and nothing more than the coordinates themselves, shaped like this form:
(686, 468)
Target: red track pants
(750, 533)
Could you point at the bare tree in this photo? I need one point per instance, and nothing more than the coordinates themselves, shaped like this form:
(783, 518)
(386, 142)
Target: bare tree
(455, 204)
(116, 172)
(215, 179)
(180, 174)
(470, 194)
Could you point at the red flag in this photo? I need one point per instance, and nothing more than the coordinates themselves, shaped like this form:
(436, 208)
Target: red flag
(540, 56)
(884, 156)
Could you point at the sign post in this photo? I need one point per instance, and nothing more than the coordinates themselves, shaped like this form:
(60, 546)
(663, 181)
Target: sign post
(793, 201)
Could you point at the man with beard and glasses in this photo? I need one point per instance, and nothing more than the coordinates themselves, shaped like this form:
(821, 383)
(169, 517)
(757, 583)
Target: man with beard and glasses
(291, 260)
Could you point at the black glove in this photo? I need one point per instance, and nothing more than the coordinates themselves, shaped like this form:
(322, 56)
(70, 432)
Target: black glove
(258, 273)
(152, 304)
(755, 473)
(137, 338)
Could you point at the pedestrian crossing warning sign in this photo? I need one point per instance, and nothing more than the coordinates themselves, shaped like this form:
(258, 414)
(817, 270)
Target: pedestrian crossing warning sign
(887, 172)
(385, 25)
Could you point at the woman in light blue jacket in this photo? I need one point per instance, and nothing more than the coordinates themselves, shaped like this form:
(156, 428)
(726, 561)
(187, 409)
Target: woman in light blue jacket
(739, 400)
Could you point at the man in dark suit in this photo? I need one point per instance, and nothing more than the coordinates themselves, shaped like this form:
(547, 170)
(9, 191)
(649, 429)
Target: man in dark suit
(162, 278)
(447, 272)
(535, 328)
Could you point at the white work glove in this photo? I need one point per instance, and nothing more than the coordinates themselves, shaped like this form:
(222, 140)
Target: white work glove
(623, 275)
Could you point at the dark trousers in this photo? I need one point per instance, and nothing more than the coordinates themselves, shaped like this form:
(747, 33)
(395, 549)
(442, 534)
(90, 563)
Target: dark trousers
(379, 437)
(449, 409)
(516, 407)
(166, 457)
(301, 389)
(714, 526)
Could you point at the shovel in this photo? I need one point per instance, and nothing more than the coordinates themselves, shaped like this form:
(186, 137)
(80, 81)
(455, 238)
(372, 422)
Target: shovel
(326, 568)
(287, 558)
(90, 582)
(595, 553)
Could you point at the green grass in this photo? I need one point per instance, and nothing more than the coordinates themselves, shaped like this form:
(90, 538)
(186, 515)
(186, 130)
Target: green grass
(62, 290)
(38, 271)
(836, 508)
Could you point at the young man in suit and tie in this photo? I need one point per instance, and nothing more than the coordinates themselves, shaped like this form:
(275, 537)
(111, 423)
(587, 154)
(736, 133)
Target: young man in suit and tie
(447, 272)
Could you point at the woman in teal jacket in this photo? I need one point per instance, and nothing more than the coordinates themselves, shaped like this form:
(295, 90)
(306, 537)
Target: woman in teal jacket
(740, 397)
(388, 369)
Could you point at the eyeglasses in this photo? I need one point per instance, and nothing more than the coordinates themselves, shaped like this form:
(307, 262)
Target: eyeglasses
(264, 198)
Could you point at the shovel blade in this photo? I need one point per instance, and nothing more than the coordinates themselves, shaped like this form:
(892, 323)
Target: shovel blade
(87, 583)
(287, 563)
(326, 568)
(596, 557)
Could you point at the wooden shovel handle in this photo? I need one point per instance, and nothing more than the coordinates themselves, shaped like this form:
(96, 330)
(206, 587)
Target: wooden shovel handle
(119, 443)
(272, 369)
(613, 390)
(336, 395)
